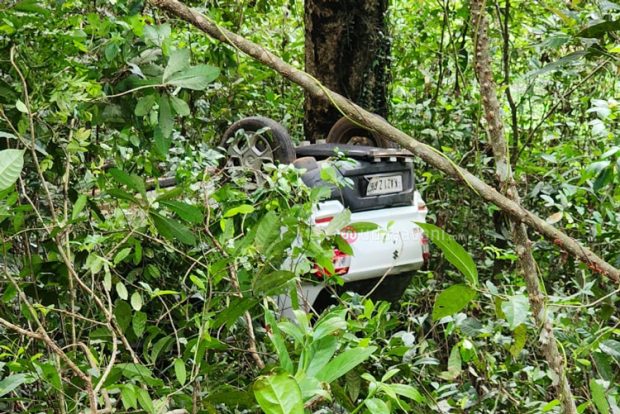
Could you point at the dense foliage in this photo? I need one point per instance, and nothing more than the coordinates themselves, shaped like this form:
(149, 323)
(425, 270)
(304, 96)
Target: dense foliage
(114, 288)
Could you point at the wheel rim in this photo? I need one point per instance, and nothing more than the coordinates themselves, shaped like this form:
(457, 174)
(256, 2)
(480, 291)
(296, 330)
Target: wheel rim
(250, 151)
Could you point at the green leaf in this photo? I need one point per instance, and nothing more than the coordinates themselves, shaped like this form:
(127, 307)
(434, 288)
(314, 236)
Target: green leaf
(454, 362)
(344, 363)
(519, 339)
(179, 106)
(267, 232)
(339, 221)
(453, 252)
(122, 313)
(598, 396)
(122, 255)
(407, 391)
(242, 209)
(161, 142)
(179, 61)
(600, 29)
(31, 6)
(132, 181)
(157, 35)
(278, 394)
(128, 396)
(179, 371)
(196, 77)
(145, 104)
(145, 400)
(136, 301)
(377, 406)
(121, 290)
(187, 212)
(611, 348)
(11, 382)
(329, 324)
(452, 300)
(319, 354)
(343, 245)
(172, 229)
(138, 323)
(275, 335)
(516, 309)
(271, 283)
(79, 205)
(11, 164)
(21, 107)
(166, 120)
(362, 226)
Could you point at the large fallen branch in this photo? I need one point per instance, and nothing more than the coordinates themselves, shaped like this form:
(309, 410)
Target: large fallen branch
(523, 246)
(379, 125)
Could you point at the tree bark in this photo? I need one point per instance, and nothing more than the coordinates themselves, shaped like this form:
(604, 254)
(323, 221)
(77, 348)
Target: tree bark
(348, 50)
(427, 153)
(523, 245)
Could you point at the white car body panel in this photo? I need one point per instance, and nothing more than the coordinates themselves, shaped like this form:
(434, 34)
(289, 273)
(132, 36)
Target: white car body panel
(396, 247)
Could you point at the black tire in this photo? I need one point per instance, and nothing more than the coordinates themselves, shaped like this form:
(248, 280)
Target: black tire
(391, 290)
(277, 137)
(346, 132)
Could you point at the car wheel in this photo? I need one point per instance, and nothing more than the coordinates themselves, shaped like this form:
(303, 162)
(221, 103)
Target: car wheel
(255, 141)
(346, 132)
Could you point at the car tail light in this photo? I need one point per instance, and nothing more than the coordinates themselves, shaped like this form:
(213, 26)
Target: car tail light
(341, 261)
(426, 252)
(323, 220)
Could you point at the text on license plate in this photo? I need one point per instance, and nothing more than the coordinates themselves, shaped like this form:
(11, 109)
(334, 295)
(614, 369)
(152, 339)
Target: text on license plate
(384, 185)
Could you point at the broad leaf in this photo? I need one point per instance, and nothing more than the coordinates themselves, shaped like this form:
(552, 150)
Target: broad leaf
(519, 339)
(242, 209)
(195, 78)
(598, 396)
(453, 252)
(611, 347)
(516, 309)
(11, 164)
(136, 301)
(166, 120)
(344, 363)
(11, 382)
(138, 323)
(187, 212)
(179, 371)
(179, 106)
(179, 60)
(452, 300)
(271, 283)
(362, 226)
(267, 232)
(278, 394)
(172, 229)
(145, 104)
(377, 406)
(132, 181)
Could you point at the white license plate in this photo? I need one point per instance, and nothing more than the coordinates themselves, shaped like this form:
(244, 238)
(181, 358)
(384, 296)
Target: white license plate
(378, 185)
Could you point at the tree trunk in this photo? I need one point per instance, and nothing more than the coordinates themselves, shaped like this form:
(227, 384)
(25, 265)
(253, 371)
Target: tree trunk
(523, 245)
(348, 50)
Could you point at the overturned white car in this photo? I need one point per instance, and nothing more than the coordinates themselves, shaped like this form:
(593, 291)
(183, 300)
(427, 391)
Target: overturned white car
(379, 188)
